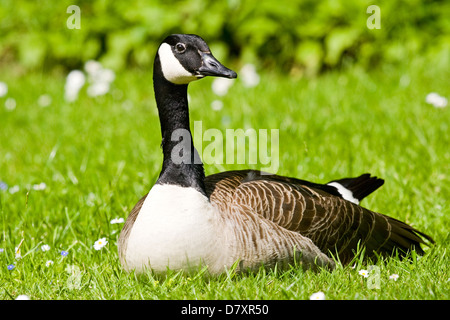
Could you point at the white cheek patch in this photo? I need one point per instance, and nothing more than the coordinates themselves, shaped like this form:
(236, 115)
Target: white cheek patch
(172, 69)
(345, 193)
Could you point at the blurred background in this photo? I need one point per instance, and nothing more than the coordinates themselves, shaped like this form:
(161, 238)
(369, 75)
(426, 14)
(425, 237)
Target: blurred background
(299, 37)
(61, 86)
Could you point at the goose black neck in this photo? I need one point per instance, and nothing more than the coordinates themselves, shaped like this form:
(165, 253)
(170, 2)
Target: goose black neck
(181, 164)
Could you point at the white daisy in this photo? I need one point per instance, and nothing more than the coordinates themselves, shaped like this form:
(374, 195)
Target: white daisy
(436, 100)
(45, 247)
(10, 104)
(48, 263)
(217, 105)
(100, 243)
(393, 277)
(364, 273)
(23, 297)
(117, 220)
(106, 75)
(92, 67)
(220, 86)
(98, 89)
(14, 189)
(39, 187)
(99, 78)
(74, 82)
(17, 252)
(317, 296)
(44, 100)
(3, 89)
(249, 75)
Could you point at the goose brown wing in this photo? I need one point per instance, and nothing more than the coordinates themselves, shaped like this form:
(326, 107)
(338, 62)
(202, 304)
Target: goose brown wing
(332, 223)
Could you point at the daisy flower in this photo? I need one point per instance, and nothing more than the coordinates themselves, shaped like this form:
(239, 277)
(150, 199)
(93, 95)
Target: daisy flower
(364, 273)
(98, 89)
(40, 186)
(17, 252)
(44, 100)
(14, 189)
(436, 100)
(99, 78)
(220, 86)
(10, 104)
(100, 243)
(217, 105)
(393, 277)
(117, 220)
(74, 82)
(48, 263)
(45, 247)
(23, 297)
(249, 75)
(3, 89)
(317, 296)
(92, 67)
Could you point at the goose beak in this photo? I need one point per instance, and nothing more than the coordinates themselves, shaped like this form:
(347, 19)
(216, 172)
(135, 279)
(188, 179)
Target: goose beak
(212, 67)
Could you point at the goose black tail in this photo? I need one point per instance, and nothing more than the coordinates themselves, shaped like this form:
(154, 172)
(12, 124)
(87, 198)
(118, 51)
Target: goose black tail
(361, 186)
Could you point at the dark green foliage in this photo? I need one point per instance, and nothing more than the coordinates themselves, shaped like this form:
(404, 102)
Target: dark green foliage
(289, 35)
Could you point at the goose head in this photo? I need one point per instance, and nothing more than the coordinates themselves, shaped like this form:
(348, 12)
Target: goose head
(183, 58)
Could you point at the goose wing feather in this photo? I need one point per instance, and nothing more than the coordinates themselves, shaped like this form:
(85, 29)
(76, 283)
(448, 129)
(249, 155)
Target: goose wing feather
(316, 212)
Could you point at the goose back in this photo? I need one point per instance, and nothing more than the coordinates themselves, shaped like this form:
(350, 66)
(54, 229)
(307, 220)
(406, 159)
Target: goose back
(335, 225)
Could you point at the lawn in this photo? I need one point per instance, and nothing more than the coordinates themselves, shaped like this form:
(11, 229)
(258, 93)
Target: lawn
(68, 169)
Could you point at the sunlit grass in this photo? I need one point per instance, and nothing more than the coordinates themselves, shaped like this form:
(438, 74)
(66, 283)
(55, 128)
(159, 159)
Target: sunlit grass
(98, 156)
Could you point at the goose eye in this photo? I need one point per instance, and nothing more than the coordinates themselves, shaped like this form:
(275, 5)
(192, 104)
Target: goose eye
(180, 47)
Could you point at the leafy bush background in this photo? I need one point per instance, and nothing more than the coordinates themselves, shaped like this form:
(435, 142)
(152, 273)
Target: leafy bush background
(303, 37)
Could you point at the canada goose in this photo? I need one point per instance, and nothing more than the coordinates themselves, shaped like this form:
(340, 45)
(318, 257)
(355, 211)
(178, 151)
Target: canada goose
(187, 220)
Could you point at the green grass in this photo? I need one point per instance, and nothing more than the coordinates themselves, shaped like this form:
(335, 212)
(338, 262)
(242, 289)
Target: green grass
(99, 156)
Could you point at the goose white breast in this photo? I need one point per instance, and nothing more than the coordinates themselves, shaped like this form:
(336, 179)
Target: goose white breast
(176, 228)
